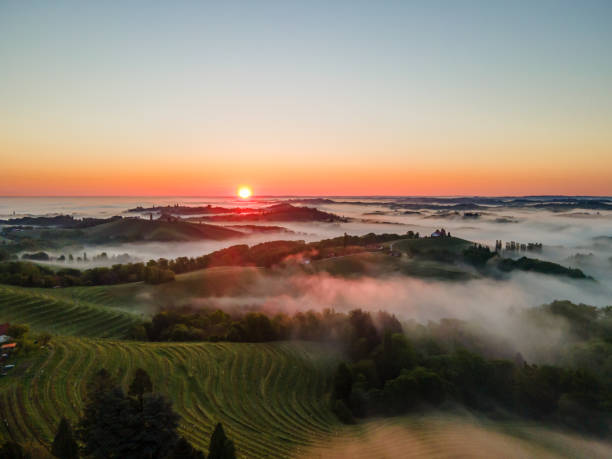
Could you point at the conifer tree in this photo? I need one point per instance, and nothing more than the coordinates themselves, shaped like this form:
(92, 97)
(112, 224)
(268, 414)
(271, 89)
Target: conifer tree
(221, 447)
(64, 445)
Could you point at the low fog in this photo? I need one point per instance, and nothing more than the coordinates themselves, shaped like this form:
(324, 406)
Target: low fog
(581, 239)
(577, 238)
(493, 305)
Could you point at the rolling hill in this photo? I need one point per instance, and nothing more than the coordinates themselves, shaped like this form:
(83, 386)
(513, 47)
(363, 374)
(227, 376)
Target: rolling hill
(427, 244)
(63, 315)
(134, 229)
(271, 398)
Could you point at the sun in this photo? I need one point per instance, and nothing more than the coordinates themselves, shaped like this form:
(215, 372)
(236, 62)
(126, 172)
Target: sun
(244, 192)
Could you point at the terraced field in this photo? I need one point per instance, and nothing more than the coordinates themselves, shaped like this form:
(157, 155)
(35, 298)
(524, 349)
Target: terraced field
(271, 398)
(44, 312)
(141, 298)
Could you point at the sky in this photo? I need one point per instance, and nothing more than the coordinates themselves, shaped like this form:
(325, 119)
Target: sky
(305, 98)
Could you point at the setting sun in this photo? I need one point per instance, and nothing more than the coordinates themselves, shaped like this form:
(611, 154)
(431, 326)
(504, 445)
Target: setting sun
(244, 192)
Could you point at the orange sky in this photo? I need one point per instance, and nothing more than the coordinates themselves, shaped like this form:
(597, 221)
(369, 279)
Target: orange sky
(302, 177)
(306, 98)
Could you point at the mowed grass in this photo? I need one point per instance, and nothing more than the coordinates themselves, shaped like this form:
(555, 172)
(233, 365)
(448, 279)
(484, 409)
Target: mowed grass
(271, 398)
(43, 311)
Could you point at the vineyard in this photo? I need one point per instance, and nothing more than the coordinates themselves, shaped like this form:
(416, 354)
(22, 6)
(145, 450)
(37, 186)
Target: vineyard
(45, 312)
(271, 398)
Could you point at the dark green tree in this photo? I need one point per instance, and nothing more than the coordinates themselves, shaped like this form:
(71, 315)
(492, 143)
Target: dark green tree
(101, 382)
(116, 426)
(17, 330)
(343, 382)
(12, 450)
(221, 447)
(64, 445)
(141, 384)
(184, 450)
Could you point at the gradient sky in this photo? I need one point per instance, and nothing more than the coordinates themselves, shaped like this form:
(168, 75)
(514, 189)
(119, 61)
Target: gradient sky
(342, 98)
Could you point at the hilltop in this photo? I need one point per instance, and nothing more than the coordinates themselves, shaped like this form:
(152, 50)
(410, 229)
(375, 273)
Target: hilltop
(134, 229)
(114, 230)
(277, 212)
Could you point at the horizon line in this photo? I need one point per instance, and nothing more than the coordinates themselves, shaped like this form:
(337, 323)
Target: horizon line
(317, 196)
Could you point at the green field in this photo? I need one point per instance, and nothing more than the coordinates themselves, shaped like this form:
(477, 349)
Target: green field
(141, 298)
(271, 398)
(43, 311)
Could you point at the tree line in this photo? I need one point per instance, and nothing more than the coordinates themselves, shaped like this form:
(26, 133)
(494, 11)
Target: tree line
(441, 366)
(27, 274)
(478, 255)
(187, 324)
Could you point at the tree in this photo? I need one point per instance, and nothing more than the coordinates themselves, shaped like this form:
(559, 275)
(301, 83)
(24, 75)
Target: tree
(64, 446)
(101, 382)
(221, 447)
(343, 382)
(12, 450)
(115, 426)
(141, 384)
(184, 450)
(16, 331)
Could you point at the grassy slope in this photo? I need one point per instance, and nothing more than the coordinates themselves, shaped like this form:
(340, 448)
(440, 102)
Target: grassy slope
(137, 229)
(45, 312)
(271, 398)
(380, 264)
(235, 281)
(139, 297)
(451, 244)
(131, 229)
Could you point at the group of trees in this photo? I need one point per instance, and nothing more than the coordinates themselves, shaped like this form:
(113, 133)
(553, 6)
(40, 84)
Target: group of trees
(540, 266)
(33, 275)
(478, 255)
(116, 425)
(356, 329)
(445, 364)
